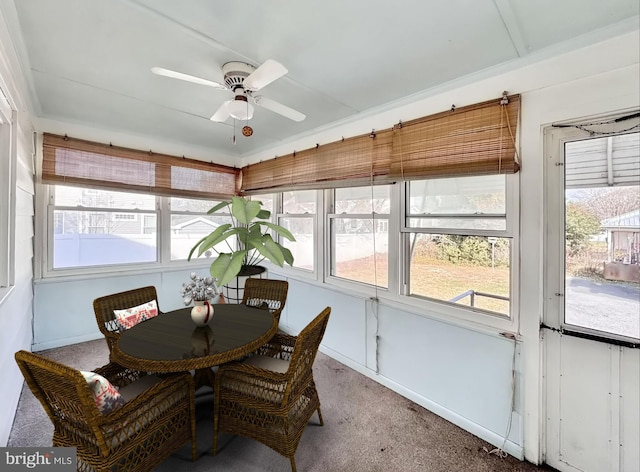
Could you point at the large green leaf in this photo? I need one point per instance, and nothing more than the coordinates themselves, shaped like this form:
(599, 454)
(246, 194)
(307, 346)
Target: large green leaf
(288, 257)
(254, 233)
(216, 236)
(284, 232)
(263, 215)
(244, 210)
(206, 242)
(218, 207)
(270, 250)
(196, 246)
(226, 267)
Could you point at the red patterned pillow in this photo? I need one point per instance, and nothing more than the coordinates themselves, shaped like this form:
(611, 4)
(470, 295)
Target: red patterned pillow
(130, 317)
(107, 396)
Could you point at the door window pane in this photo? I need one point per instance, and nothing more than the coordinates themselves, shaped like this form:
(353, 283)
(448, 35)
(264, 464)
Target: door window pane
(602, 235)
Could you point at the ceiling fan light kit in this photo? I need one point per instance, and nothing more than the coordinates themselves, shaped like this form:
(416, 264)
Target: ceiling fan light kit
(243, 80)
(240, 109)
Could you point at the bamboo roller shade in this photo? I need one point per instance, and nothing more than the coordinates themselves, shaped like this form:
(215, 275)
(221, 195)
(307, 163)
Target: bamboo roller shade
(478, 139)
(357, 159)
(72, 161)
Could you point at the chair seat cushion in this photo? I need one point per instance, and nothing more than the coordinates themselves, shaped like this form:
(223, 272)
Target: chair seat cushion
(268, 363)
(130, 317)
(105, 394)
(136, 387)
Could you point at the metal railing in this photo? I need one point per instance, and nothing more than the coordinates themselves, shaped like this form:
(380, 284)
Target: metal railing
(472, 294)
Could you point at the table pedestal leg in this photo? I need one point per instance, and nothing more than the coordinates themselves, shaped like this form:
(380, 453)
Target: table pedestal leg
(204, 377)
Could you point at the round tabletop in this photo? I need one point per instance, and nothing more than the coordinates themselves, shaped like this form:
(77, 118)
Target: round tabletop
(171, 342)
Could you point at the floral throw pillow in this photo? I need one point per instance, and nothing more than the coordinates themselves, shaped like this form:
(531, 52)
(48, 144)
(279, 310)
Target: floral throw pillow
(130, 317)
(107, 396)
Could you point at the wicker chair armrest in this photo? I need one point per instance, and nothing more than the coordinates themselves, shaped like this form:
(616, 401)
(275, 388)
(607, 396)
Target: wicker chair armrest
(280, 346)
(113, 336)
(118, 375)
(160, 397)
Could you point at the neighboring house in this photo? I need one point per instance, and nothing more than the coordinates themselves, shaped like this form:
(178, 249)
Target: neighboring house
(623, 237)
(190, 225)
(623, 240)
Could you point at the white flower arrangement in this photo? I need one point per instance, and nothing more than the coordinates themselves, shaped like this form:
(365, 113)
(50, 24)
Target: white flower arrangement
(199, 289)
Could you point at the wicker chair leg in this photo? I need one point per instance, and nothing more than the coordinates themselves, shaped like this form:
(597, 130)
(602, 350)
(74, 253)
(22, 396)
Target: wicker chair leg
(215, 429)
(194, 443)
(320, 416)
(293, 464)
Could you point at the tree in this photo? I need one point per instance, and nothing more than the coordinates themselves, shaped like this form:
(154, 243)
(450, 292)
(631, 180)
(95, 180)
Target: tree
(606, 202)
(580, 225)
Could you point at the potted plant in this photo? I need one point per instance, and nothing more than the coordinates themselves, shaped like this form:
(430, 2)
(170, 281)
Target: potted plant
(250, 228)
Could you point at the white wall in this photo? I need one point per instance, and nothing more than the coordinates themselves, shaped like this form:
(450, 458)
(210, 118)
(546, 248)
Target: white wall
(16, 305)
(460, 371)
(460, 374)
(59, 322)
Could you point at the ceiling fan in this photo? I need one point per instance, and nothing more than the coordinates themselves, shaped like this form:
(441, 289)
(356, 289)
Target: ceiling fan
(244, 80)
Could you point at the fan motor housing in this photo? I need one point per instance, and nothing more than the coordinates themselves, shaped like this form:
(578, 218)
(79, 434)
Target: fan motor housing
(235, 73)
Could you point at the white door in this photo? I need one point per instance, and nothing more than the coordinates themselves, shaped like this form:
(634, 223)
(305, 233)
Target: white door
(591, 331)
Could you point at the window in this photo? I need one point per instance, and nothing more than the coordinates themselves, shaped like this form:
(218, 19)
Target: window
(359, 228)
(298, 215)
(98, 228)
(458, 235)
(90, 228)
(190, 223)
(7, 192)
(602, 236)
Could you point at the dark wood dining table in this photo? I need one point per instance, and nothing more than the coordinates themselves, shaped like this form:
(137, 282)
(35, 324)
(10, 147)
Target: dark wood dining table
(171, 342)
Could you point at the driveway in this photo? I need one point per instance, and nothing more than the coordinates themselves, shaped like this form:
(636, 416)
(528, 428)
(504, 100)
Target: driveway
(612, 307)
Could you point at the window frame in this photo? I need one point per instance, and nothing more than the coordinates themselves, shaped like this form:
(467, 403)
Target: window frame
(554, 312)
(162, 213)
(8, 162)
(511, 231)
(276, 217)
(330, 216)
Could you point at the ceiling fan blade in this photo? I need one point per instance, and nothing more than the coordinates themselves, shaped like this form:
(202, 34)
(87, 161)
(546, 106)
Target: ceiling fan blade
(222, 113)
(189, 78)
(278, 108)
(269, 71)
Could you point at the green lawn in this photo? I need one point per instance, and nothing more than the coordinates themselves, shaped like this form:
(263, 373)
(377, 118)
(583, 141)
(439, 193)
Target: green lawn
(439, 279)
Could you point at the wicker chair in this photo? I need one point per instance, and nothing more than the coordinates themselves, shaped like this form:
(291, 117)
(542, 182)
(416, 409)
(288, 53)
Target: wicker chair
(139, 435)
(103, 308)
(270, 291)
(271, 396)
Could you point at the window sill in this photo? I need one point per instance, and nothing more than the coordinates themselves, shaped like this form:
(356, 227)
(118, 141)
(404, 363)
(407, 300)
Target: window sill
(492, 325)
(118, 271)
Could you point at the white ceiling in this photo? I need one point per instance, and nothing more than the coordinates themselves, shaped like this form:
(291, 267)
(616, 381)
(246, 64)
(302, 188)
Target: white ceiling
(88, 62)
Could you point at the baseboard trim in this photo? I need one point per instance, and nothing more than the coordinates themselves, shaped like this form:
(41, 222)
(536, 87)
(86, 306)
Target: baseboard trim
(35, 347)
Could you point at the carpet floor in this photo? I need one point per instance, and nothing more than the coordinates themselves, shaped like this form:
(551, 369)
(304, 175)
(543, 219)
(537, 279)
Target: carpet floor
(367, 428)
